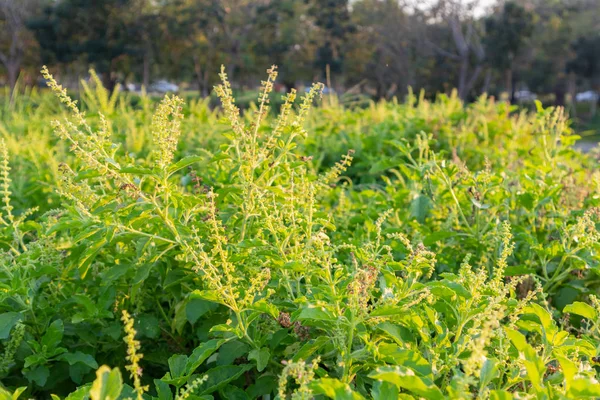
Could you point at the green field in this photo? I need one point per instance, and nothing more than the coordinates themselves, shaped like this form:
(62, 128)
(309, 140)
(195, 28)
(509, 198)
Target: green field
(396, 250)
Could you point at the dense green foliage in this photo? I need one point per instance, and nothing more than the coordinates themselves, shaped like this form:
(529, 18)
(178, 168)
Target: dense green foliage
(401, 250)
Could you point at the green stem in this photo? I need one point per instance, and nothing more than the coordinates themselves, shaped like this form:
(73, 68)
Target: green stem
(348, 358)
(244, 329)
(455, 198)
(156, 237)
(558, 275)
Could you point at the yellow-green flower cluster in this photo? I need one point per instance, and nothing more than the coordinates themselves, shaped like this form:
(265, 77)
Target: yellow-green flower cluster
(303, 374)
(5, 183)
(482, 338)
(231, 111)
(133, 356)
(166, 129)
(191, 387)
(11, 348)
(507, 249)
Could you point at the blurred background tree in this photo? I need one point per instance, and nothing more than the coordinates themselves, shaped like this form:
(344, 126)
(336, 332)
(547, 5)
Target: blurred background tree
(376, 47)
(586, 64)
(17, 45)
(506, 36)
(91, 32)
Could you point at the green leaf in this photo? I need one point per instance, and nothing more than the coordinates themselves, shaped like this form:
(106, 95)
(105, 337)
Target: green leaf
(582, 388)
(398, 333)
(163, 390)
(128, 393)
(208, 295)
(392, 353)
(534, 365)
(77, 372)
(136, 170)
(500, 395)
(334, 389)
(18, 392)
(220, 376)
(177, 365)
(261, 357)
(265, 307)
(544, 316)
(6, 395)
(568, 368)
(142, 273)
(79, 357)
(583, 309)
(310, 347)
(439, 287)
(231, 392)
(230, 351)
(195, 308)
(406, 378)
(180, 319)
(39, 375)
(527, 200)
(516, 270)
(224, 328)
(295, 266)
(147, 325)
(419, 208)
(517, 338)
(387, 310)
(384, 391)
(7, 322)
(489, 371)
(263, 385)
(318, 313)
(82, 393)
(85, 259)
(436, 237)
(382, 165)
(108, 384)
(53, 335)
(538, 106)
(201, 353)
(184, 162)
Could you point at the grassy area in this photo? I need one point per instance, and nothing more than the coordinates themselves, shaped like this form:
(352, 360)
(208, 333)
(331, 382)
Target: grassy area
(417, 249)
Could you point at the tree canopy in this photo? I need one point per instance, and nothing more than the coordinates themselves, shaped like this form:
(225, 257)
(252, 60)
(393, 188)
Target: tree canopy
(381, 46)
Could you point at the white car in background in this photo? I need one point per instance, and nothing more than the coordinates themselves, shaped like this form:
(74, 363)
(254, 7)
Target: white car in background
(132, 87)
(525, 95)
(590, 95)
(163, 86)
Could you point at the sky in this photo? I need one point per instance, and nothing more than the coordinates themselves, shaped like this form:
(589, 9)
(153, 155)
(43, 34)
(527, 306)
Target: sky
(485, 5)
(482, 5)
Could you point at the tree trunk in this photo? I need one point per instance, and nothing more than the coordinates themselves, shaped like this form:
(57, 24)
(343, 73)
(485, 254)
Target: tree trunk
(508, 84)
(289, 84)
(205, 83)
(230, 72)
(13, 70)
(513, 85)
(487, 81)
(108, 82)
(462, 78)
(380, 88)
(471, 82)
(559, 96)
(199, 75)
(573, 92)
(146, 70)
